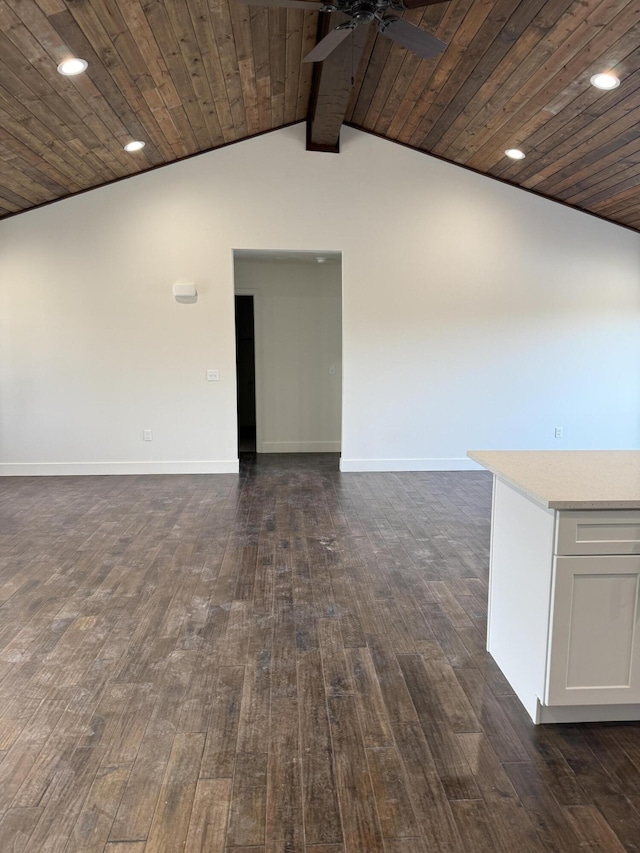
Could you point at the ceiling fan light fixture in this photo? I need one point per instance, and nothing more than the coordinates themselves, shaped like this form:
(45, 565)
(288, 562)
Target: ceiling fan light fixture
(73, 65)
(135, 145)
(363, 11)
(515, 154)
(606, 81)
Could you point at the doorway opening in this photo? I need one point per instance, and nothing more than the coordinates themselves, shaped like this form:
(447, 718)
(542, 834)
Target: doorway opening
(246, 373)
(288, 351)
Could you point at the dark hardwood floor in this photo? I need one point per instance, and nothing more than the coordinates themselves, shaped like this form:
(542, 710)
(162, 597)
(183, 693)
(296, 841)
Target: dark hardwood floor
(292, 660)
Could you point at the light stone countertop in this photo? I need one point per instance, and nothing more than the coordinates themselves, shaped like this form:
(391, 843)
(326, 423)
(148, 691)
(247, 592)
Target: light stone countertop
(569, 479)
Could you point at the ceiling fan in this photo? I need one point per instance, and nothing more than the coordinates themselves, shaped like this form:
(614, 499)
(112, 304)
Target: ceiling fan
(365, 12)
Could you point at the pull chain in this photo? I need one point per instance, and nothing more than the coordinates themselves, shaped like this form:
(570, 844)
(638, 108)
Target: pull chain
(353, 35)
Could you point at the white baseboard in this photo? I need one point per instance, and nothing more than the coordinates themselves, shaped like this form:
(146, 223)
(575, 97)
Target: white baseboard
(587, 713)
(75, 469)
(453, 464)
(229, 466)
(299, 447)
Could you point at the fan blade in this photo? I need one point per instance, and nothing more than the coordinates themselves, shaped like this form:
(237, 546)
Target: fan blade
(418, 4)
(329, 43)
(411, 37)
(312, 5)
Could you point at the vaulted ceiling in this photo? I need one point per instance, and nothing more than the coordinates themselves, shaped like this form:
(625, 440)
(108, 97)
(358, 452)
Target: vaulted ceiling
(185, 76)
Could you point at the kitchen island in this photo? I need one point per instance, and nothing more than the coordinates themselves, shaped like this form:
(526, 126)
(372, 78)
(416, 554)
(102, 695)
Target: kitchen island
(564, 584)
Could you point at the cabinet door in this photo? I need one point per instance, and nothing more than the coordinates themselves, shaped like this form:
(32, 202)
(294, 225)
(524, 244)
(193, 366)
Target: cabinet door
(594, 648)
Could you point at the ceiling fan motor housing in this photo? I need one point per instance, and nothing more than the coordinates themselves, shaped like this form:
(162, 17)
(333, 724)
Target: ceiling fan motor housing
(402, 32)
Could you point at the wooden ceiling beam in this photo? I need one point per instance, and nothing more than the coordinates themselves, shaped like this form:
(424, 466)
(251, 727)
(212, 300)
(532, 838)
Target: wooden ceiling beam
(332, 84)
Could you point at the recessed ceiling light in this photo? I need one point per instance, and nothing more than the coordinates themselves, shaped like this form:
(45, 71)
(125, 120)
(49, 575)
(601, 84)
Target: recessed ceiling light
(515, 153)
(72, 66)
(321, 260)
(136, 145)
(606, 81)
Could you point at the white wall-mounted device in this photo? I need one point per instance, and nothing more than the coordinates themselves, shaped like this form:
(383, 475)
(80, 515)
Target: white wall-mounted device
(185, 291)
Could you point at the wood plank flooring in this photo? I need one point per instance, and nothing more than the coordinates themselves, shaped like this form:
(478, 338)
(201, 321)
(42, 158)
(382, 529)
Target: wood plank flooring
(289, 661)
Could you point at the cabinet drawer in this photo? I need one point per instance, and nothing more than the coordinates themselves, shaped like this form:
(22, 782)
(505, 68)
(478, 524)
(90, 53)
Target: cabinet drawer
(583, 532)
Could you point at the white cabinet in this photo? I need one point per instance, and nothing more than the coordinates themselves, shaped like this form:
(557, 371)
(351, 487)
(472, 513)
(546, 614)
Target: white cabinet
(564, 608)
(594, 648)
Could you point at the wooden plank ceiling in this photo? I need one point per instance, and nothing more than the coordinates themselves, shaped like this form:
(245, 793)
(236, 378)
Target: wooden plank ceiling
(191, 75)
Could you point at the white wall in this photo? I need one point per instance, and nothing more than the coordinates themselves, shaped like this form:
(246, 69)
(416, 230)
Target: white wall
(475, 315)
(298, 327)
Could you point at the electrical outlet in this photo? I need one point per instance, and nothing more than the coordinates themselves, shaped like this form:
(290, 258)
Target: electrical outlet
(213, 375)
(332, 371)
(147, 434)
(558, 432)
